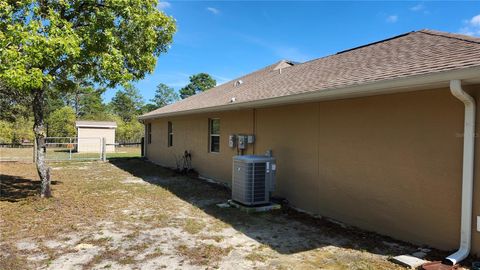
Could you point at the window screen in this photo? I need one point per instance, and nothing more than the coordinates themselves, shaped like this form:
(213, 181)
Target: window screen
(214, 135)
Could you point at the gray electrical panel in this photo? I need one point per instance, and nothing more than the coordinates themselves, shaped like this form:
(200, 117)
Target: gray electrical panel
(242, 141)
(253, 179)
(232, 139)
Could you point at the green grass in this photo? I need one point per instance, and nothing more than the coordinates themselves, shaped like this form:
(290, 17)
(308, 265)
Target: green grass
(54, 154)
(64, 154)
(125, 152)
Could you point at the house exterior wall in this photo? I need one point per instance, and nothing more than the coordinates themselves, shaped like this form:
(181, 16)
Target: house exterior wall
(89, 139)
(390, 164)
(191, 133)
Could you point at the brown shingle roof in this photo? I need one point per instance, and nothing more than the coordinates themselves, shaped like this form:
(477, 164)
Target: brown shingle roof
(414, 53)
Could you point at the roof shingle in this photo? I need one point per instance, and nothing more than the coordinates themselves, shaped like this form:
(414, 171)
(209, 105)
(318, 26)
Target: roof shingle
(414, 53)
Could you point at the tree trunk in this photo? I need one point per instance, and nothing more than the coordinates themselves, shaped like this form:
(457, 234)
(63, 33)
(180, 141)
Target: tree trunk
(77, 100)
(39, 130)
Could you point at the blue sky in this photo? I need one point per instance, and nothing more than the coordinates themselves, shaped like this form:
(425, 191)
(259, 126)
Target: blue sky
(231, 38)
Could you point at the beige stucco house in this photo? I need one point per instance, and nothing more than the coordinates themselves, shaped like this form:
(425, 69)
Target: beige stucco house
(90, 134)
(379, 136)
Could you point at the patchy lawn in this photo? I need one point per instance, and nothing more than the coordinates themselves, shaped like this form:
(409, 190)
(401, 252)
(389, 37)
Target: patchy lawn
(59, 153)
(125, 152)
(16, 154)
(131, 214)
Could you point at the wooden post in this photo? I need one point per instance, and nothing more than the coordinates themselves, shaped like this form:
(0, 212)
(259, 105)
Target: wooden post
(70, 148)
(34, 151)
(104, 149)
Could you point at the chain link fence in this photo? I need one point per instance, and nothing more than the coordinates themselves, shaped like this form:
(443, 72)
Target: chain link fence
(71, 149)
(74, 148)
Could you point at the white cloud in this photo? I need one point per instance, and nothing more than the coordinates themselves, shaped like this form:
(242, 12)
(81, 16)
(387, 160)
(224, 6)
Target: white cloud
(420, 8)
(472, 26)
(162, 5)
(213, 10)
(392, 18)
(417, 7)
(475, 21)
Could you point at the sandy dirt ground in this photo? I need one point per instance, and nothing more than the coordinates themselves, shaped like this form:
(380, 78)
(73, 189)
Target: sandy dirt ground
(131, 214)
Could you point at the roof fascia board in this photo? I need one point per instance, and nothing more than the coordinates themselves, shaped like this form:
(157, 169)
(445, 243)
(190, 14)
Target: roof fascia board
(390, 86)
(95, 126)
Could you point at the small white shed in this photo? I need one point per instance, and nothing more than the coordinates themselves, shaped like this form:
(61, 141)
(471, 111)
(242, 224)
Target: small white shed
(90, 134)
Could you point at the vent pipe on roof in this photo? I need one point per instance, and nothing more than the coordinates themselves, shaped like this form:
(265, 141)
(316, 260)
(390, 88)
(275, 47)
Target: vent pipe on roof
(237, 83)
(467, 173)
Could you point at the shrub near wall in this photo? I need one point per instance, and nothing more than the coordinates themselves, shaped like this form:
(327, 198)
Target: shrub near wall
(61, 123)
(6, 132)
(131, 131)
(16, 132)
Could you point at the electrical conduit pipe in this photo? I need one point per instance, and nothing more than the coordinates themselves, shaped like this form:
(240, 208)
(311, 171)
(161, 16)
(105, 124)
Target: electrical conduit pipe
(467, 173)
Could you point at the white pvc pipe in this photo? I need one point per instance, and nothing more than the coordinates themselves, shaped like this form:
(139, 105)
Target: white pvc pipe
(467, 173)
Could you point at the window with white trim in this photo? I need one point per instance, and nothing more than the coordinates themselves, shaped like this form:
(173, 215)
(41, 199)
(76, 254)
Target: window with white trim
(149, 133)
(214, 135)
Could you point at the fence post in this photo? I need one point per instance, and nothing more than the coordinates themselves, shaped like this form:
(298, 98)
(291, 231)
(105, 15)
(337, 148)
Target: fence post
(35, 150)
(104, 149)
(142, 145)
(69, 148)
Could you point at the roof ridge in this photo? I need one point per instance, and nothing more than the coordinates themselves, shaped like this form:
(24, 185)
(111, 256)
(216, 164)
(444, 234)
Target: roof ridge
(230, 82)
(358, 47)
(410, 55)
(424, 31)
(105, 121)
(450, 35)
(376, 42)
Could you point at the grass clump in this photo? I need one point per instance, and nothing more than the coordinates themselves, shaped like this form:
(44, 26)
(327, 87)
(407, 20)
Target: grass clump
(156, 253)
(193, 226)
(256, 257)
(203, 254)
(12, 262)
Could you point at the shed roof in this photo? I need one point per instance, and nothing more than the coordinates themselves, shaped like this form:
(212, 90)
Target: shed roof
(413, 54)
(96, 124)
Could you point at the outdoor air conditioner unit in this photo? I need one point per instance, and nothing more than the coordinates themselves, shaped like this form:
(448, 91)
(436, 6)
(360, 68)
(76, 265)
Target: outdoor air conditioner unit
(253, 179)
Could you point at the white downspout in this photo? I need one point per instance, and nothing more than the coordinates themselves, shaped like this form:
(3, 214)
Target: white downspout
(467, 173)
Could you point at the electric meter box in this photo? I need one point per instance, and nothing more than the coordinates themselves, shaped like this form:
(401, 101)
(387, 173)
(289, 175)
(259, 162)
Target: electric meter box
(242, 141)
(232, 141)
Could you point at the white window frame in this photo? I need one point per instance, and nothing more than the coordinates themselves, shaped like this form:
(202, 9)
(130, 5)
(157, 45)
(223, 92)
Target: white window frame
(211, 135)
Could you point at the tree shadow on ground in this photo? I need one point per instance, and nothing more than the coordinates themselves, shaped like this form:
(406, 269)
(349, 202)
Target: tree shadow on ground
(15, 188)
(286, 231)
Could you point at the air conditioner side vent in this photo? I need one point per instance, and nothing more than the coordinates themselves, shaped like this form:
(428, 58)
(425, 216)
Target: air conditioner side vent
(253, 179)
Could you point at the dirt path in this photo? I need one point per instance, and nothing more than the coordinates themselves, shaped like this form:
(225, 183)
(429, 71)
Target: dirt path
(130, 214)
